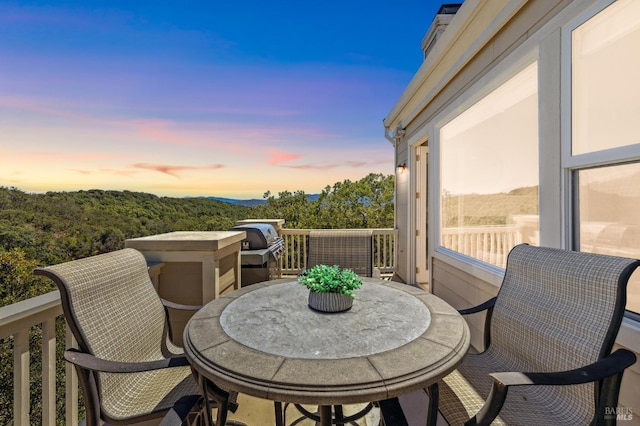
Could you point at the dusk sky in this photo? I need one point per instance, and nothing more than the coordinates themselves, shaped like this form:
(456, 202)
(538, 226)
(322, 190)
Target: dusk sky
(190, 98)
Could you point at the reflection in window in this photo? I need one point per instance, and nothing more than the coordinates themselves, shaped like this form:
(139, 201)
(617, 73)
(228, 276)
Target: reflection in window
(605, 83)
(489, 172)
(607, 230)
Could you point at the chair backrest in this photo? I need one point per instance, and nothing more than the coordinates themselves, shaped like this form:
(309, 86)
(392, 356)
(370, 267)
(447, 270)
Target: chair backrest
(351, 249)
(559, 310)
(111, 305)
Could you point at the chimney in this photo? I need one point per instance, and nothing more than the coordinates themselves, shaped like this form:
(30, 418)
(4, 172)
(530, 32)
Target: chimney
(440, 22)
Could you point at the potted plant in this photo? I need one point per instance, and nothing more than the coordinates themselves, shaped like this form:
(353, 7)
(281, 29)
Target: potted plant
(330, 288)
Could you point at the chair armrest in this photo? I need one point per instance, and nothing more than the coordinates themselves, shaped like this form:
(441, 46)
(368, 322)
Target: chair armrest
(613, 364)
(179, 306)
(486, 306)
(483, 307)
(90, 362)
(610, 365)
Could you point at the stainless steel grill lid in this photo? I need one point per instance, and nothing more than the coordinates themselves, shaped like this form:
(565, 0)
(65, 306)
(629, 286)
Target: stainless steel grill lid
(259, 236)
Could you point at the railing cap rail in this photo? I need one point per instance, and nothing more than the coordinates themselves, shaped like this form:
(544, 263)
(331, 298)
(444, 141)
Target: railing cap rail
(29, 311)
(307, 230)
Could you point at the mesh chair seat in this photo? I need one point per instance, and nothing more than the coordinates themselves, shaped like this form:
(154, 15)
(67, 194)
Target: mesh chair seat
(556, 311)
(116, 316)
(137, 394)
(464, 392)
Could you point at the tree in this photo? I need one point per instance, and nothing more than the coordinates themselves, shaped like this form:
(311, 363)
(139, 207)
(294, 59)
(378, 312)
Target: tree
(367, 203)
(293, 207)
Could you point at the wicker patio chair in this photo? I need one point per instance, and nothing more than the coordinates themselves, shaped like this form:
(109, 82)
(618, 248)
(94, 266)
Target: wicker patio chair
(351, 249)
(548, 340)
(128, 368)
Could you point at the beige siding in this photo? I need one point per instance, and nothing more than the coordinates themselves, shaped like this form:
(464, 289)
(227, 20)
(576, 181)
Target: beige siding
(462, 290)
(630, 392)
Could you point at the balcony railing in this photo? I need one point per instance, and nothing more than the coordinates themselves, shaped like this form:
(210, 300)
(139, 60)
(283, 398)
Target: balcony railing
(490, 244)
(294, 259)
(16, 322)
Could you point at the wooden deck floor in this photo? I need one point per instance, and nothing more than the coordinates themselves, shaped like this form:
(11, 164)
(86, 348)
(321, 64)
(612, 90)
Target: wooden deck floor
(260, 412)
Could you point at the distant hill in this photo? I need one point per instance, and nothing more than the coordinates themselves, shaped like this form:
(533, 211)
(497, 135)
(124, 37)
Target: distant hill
(247, 203)
(489, 209)
(253, 201)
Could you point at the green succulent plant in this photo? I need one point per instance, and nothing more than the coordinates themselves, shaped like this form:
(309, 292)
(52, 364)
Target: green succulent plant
(330, 279)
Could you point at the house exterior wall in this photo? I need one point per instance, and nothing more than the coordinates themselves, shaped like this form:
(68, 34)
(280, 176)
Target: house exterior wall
(401, 213)
(486, 38)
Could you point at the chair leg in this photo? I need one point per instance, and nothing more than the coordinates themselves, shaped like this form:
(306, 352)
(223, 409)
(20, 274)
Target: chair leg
(432, 415)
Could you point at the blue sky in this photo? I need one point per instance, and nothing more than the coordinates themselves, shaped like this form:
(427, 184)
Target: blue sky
(201, 98)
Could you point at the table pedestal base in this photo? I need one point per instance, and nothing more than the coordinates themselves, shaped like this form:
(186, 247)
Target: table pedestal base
(327, 415)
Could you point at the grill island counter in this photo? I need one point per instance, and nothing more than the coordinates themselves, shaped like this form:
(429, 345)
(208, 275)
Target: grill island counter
(198, 267)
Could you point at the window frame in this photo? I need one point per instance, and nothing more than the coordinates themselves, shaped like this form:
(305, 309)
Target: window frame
(572, 164)
(489, 82)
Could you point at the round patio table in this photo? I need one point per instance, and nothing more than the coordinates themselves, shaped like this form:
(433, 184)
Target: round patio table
(264, 340)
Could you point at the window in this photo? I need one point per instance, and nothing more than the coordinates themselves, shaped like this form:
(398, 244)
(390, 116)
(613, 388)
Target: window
(489, 172)
(605, 83)
(607, 229)
(605, 111)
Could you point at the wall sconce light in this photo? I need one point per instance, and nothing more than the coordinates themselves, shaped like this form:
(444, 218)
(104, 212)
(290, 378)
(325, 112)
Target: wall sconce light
(401, 168)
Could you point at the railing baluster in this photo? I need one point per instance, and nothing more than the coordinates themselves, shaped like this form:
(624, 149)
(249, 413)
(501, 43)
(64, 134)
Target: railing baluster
(49, 372)
(21, 378)
(301, 258)
(71, 385)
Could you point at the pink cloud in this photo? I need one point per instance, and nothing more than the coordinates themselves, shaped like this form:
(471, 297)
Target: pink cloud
(172, 169)
(106, 171)
(42, 156)
(239, 138)
(354, 164)
(228, 136)
(313, 167)
(276, 157)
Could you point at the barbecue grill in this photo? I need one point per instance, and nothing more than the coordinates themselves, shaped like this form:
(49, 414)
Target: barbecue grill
(261, 253)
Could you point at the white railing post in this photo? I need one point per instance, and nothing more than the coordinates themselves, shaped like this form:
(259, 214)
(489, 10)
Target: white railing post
(21, 378)
(49, 372)
(71, 386)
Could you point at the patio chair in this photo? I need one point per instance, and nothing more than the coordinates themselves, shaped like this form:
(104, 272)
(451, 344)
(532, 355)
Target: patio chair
(548, 340)
(351, 249)
(128, 368)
